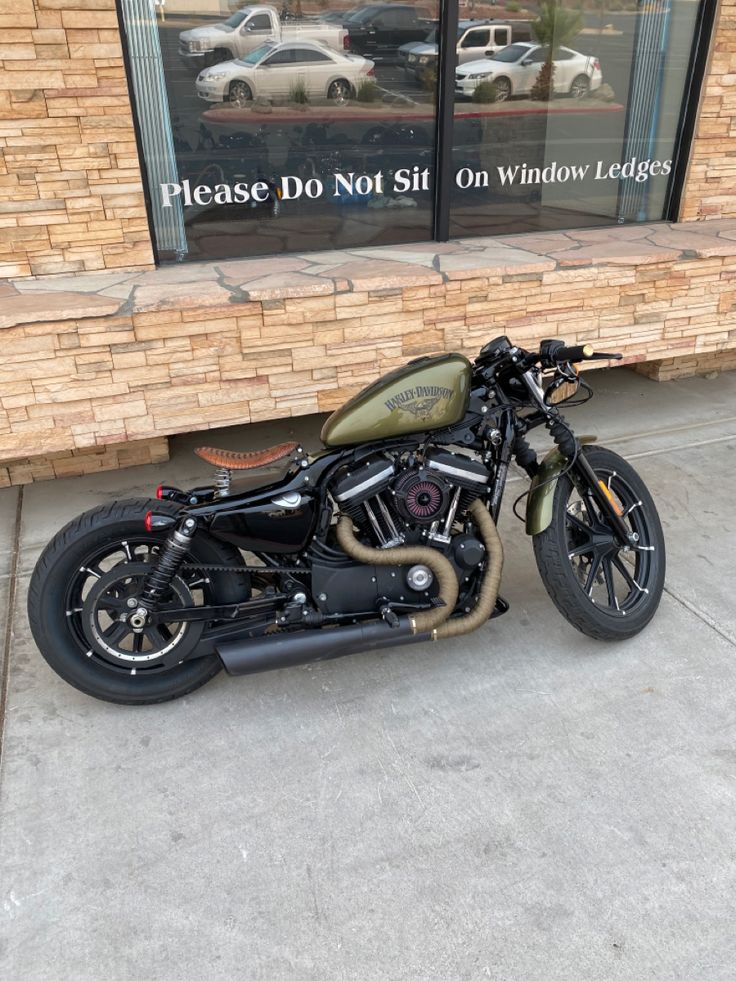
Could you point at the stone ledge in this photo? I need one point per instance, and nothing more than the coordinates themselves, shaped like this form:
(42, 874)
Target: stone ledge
(243, 281)
(77, 463)
(202, 346)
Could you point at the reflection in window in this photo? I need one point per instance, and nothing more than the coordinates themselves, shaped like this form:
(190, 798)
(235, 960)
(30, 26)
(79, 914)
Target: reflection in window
(598, 149)
(563, 117)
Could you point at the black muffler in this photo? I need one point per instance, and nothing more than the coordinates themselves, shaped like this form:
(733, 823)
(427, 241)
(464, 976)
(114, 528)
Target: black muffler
(284, 650)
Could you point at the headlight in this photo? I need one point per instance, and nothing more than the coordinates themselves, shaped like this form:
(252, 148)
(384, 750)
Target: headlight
(480, 75)
(424, 60)
(214, 77)
(413, 58)
(197, 45)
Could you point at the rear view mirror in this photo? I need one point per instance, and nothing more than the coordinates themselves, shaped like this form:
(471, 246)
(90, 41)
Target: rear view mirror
(526, 62)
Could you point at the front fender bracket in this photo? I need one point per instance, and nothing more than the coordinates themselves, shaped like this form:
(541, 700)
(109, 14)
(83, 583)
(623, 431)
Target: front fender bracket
(542, 490)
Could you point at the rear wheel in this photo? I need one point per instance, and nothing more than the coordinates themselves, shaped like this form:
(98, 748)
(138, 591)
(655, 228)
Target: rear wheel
(607, 591)
(240, 94)
(580, 87)
(340, 90)
(81, 597)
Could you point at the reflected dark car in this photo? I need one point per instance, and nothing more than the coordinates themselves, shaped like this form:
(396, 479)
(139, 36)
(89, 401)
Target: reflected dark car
(338, 16)
(379, 30)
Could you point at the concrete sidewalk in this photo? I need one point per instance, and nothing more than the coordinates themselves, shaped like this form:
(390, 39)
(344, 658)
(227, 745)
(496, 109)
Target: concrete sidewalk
(521, 804)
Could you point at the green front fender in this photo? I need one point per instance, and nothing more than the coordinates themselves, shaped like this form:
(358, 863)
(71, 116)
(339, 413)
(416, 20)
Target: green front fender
(542, 490)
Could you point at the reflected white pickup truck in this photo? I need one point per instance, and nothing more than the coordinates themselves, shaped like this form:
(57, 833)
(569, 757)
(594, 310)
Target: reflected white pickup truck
(248, 29)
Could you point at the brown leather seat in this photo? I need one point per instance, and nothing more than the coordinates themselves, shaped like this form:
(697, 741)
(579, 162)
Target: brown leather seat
(245, 461)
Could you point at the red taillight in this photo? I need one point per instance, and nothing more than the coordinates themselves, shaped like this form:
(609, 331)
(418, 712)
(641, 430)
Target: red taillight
(147, 521)
(372, 72)
(596, 64)
(160, 492)
(346, 41)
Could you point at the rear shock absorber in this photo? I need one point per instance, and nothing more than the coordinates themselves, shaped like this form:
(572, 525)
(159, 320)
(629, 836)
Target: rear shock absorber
(167, 565)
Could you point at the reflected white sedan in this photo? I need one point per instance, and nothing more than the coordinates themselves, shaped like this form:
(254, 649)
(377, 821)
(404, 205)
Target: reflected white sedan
(514, 70)
(273, 71)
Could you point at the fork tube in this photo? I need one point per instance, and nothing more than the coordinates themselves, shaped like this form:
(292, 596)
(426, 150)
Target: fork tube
(622, 530)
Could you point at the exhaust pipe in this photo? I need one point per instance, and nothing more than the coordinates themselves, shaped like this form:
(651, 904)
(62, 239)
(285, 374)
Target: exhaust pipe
(285, 650)
(282, 650)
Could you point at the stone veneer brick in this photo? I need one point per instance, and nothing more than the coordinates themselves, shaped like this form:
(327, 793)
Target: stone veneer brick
(96, 375)
(77, 463)
(685, 367)
(222, 350)
(709, 188)
(71, 196)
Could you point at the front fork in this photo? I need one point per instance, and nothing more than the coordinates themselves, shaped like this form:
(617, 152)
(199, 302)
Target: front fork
(545, 477)
(604, 499)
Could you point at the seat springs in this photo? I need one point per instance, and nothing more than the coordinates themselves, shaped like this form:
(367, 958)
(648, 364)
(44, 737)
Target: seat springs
(222, 481)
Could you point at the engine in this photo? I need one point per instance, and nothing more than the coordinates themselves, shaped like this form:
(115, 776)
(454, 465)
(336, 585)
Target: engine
(411, 501)
(405, 499)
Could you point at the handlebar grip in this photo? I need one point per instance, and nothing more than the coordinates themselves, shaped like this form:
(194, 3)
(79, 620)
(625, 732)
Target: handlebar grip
(577, 352)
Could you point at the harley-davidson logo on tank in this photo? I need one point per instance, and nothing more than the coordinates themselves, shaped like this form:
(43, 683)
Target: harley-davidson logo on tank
(419, 401)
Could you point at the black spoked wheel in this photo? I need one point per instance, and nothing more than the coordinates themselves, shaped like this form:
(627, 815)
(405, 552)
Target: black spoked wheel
(109, 599)
(606, 590)
(84, 591)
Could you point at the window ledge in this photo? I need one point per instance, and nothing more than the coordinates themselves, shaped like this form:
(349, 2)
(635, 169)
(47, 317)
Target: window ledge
(239, 281)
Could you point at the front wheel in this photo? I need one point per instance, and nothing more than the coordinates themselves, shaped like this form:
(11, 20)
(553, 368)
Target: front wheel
(240, 94)
(605, 590)
(503, 89)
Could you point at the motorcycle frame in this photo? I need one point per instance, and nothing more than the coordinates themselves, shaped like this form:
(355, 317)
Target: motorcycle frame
(492, 426)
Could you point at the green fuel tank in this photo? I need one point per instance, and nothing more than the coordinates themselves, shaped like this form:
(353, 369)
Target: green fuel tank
(428, 393)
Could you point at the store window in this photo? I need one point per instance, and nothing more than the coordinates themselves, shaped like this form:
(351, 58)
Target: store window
(308, 127)
(599, 146)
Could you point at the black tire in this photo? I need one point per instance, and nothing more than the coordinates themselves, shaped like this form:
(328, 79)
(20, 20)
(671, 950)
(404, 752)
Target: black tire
(239, 93)
(58, 635)
(504, 90)
(616, 599)
(580, 87)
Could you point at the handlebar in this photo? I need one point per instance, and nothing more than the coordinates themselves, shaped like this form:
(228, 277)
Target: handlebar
(554, 352)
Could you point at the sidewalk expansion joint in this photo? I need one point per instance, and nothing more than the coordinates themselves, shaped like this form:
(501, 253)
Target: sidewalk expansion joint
(8, 635)
(701, 615)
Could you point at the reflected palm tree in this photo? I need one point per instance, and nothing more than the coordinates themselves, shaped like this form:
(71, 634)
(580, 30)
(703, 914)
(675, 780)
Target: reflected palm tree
(554, 28)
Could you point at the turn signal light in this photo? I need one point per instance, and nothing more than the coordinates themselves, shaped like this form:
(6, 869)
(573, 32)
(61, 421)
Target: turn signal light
(157, 522)
(166, 493)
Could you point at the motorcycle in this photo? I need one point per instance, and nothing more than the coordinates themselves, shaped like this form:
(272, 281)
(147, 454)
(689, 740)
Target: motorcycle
(385, 537)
